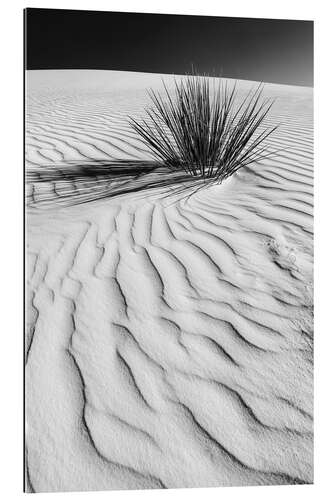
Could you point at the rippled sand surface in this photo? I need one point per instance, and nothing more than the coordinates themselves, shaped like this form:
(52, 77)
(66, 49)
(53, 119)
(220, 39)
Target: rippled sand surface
(169, 338)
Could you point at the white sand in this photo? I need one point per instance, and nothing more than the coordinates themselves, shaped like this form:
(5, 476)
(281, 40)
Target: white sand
(169, 343)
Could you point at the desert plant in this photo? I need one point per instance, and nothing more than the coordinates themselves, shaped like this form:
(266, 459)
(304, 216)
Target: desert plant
(201, 130)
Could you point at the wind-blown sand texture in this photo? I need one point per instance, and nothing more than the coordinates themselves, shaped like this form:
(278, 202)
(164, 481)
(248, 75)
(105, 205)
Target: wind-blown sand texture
(168, 339)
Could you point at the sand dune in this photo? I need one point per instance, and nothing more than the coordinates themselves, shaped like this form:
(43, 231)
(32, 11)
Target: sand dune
(169, 339)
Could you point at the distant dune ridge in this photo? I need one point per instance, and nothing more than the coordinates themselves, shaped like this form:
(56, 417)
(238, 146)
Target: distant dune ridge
(169, 339)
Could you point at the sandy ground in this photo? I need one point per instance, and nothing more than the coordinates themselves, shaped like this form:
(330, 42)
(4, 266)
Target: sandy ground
(169, 340)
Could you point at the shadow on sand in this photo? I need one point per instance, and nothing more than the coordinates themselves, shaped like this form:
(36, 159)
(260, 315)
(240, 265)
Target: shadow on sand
(75, 183)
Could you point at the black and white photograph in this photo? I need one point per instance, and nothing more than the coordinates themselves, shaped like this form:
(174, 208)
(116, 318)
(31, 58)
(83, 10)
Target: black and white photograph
(168, 251)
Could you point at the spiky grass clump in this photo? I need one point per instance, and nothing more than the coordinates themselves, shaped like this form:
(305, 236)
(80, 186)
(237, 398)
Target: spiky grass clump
(201, 131)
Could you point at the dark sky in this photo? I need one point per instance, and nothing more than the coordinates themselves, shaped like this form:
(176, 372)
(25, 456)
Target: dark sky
(252, 49)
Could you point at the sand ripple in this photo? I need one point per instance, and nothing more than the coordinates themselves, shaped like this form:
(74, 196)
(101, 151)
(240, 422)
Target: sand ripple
(169, 340)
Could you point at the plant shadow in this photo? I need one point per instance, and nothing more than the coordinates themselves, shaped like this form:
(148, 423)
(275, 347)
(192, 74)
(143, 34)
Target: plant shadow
(73, 183)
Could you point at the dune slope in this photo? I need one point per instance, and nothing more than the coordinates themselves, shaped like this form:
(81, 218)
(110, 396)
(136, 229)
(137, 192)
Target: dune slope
(168, 339)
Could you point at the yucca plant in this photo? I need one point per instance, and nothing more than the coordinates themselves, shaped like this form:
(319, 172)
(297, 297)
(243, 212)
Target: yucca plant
(199, 128)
